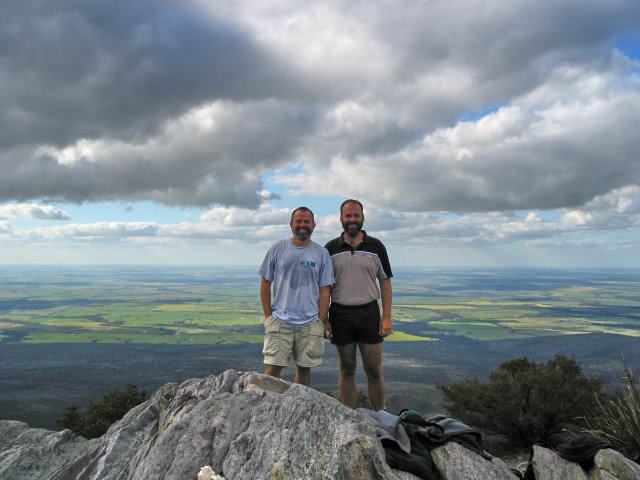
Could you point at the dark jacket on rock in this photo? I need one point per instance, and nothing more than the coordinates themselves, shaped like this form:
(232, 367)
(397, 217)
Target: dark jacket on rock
(423, 435)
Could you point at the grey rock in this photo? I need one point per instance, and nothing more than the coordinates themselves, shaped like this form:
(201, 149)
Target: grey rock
(299, 447)
(607, 465)
(612, 465)
(548, 465)
(454, 462)
(243, 426)
(26, 452)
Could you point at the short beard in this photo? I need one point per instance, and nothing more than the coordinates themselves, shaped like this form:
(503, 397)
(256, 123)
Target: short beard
(302, 236)
(352, 228)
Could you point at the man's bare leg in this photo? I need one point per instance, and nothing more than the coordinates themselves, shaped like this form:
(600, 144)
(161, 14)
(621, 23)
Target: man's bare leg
(347, 376)
(372, 363)
(273, 370)
(303, 375)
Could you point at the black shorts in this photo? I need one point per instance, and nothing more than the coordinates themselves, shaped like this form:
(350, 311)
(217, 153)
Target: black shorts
(351, 324)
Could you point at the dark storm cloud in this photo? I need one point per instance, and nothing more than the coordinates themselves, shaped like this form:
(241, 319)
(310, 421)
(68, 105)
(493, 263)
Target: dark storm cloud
(118, 69)
(195, 160)
(190, 103)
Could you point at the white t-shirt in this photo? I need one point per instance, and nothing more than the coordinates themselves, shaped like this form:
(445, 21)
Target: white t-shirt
(296, 275)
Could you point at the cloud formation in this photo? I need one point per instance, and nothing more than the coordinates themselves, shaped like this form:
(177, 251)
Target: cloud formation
(436, 107)
(618, 211)
(40, 212)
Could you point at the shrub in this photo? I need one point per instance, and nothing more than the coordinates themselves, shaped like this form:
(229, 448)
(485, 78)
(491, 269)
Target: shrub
(524, 400)
(617, 419)
(94, 420)
(363, 400)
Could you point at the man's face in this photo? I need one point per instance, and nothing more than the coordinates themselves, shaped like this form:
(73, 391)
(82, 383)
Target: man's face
(352, 219)
(302, 225)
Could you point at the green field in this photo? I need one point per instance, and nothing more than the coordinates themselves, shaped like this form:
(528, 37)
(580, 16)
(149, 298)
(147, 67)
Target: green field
(185, 306)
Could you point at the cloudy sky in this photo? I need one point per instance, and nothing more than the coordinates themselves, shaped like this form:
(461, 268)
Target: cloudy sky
(494, 133)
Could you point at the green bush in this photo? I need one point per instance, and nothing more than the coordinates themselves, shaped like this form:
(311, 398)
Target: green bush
(617, 418)
(94, 420)
(524, 400)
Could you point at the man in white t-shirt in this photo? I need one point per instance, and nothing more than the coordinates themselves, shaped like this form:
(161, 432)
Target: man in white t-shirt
(296, 276)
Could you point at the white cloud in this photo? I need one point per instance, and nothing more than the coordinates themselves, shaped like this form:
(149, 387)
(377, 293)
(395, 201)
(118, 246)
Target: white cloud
(577, 218)
(217, 224)
(24, 210)
(541, 151)
(236, 217)
(617, 210)
(139, 110)
(625, 200)
(455, 124)
(412, 237)
(197, 158)
(91, 231)
(533, 217)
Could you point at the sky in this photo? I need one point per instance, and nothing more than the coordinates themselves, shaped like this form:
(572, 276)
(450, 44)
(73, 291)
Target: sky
(476, 134)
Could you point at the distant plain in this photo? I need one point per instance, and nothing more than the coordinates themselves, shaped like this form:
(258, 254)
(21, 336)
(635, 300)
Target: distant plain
(67, 334)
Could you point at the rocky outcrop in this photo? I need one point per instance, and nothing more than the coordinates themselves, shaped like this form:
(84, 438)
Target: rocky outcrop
(548, 465)
(242, 426)
(607, 465)
(612, 465)
(454, 462)
(245, 426)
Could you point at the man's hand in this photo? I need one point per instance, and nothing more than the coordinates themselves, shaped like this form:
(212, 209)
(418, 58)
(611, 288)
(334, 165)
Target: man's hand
(327, 330)
(386, 326)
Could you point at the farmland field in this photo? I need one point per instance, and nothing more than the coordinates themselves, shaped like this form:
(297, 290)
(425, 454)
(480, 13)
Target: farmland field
(69, 334)
(188, 306)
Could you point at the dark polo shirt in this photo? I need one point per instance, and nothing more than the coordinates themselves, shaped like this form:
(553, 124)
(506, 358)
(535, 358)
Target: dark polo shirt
(358, 271)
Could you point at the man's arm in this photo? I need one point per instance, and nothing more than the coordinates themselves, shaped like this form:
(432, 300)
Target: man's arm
(386, 292)
(265, 296)
(323, 304)
(325, 296)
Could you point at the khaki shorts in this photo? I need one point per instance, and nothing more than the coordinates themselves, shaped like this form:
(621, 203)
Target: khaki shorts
(306, 344)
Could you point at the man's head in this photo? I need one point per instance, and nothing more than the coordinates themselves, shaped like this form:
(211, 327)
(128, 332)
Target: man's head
(302, 223)
(352, 217)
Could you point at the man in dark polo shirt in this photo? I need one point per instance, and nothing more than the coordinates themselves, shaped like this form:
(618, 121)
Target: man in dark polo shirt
(362, 276)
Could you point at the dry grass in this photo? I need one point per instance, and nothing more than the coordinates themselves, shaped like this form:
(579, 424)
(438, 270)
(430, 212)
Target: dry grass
(618, 418)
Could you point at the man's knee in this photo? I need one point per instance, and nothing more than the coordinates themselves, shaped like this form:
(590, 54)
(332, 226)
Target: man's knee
(373, 371)
(348, 368)
(347, 360)
(372, 360)
(273, 370)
